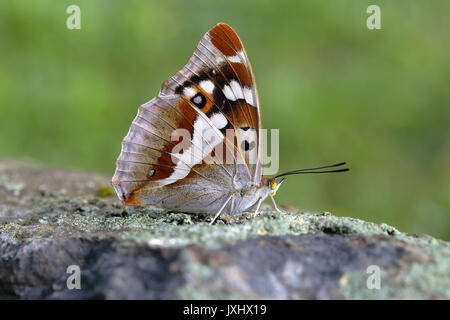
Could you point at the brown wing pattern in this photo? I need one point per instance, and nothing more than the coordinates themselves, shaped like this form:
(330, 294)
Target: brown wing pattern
(213, 95)
(221, 62)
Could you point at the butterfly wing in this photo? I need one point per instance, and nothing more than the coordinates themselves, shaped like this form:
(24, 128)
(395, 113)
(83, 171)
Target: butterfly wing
(214, 92)
(220, 67)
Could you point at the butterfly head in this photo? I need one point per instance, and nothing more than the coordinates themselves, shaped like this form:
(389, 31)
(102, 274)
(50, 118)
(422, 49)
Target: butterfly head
(274, 184)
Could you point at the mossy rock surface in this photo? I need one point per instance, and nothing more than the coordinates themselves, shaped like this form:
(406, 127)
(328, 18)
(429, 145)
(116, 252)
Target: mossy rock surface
(51, 219)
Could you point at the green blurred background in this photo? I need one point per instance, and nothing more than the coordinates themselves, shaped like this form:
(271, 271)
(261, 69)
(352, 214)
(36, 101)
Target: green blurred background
(379, 99)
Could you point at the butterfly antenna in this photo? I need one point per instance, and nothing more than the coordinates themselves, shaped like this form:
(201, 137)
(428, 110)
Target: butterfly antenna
(314, 170)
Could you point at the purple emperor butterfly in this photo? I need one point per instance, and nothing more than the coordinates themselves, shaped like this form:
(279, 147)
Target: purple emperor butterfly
(197, 146)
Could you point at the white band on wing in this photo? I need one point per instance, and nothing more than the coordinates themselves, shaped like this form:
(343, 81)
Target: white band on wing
(204, 129)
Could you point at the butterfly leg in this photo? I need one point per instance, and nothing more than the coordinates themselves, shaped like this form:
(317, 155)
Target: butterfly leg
(220, 210)
(275, 205)
(257, 207)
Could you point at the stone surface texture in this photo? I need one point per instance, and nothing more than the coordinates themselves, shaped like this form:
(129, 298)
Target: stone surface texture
(51, 219)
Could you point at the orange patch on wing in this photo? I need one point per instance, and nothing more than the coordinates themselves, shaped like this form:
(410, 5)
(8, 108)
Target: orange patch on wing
(189, 114)
(165, 165)
(132, 200)
(238, 69)
(209, 100)
(161, 170)
(245, 115)
(225, 39)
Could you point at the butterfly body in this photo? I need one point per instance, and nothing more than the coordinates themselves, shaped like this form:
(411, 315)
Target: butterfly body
(210, 202)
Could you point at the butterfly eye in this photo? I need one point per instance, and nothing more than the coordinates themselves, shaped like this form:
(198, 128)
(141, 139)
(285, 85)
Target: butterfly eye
(273, 184)
(273, 187)
(199, 100)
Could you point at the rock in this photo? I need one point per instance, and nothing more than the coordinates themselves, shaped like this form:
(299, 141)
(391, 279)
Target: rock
(52, 219)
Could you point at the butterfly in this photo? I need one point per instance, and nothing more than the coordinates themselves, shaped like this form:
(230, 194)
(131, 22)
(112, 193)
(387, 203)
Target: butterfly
(197, 146)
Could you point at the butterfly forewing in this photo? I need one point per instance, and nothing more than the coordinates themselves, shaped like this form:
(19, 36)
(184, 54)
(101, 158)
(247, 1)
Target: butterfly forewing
(220, 67)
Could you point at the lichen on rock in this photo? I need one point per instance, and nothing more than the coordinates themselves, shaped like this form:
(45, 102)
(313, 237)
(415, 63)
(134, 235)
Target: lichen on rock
(58, 218)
